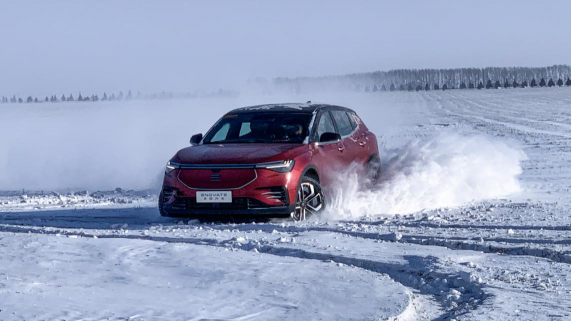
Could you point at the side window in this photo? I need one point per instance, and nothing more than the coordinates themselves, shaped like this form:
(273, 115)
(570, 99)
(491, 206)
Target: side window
(325, 125)
(342, 121)
(221, 134)
(352, 120)
(245, 129)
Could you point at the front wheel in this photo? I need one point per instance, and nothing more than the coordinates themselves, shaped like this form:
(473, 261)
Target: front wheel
(309, 199)
(162, 212)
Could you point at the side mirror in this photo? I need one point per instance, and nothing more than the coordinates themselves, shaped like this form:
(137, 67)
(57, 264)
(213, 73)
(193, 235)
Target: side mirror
(195, 139)
(329, 137)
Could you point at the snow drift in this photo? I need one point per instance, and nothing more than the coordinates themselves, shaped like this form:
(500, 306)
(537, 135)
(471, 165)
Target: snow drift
(444, 171)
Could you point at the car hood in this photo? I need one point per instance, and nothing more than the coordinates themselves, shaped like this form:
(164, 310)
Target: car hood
(231, 153)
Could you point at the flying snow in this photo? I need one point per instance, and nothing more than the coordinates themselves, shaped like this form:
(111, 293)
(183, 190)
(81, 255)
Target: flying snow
(444, 171)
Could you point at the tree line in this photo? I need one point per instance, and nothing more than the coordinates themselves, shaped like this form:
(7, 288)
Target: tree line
(489, 85)
(119, 97)
(431, 79)
(80, 97)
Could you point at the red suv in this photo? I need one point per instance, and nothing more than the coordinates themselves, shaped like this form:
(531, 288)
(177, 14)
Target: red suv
(275, 160)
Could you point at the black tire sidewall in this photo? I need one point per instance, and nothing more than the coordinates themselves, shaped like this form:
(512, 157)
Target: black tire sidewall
(374, 162)
(160, 203)
(308, 179)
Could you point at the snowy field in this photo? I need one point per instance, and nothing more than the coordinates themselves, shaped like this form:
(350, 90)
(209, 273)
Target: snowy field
(472, 219)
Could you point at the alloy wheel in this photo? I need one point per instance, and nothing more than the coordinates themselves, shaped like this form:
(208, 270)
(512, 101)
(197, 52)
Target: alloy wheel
(309, 200)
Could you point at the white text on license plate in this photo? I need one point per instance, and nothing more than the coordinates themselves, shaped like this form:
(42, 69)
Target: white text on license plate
(214, 197)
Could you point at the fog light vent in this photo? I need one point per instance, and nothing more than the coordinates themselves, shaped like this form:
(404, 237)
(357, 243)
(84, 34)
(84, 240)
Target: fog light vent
(277, 194)
(167, 194)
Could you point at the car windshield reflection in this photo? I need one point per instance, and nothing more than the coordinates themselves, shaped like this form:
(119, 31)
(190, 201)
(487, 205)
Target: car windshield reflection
(259, 127)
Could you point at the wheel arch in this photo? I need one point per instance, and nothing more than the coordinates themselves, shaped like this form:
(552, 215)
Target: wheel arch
(372, 157)
(312, 172)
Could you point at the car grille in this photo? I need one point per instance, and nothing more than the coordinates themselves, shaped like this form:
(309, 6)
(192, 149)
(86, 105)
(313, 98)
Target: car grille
(215, 177)
(238, 203)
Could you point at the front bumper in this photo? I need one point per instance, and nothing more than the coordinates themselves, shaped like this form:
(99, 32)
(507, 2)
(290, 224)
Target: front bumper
(270, 194)
(177, 203)
(216, 213)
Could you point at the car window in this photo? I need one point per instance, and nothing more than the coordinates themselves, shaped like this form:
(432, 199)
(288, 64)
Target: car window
(342, 121)
(221, 133)
(325, 125)
(260, 127)
(245, 129)
(352, 120)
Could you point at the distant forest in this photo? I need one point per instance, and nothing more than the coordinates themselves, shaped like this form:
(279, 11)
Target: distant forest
(116, 97)
(378, 81)
(431, 79)
(55, 98)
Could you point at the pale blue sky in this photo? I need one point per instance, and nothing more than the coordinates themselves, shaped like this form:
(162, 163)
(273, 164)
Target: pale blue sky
(63, 46)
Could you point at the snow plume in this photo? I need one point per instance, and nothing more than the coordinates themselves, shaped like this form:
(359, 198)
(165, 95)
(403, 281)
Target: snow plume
(97, 146)
(444, 171)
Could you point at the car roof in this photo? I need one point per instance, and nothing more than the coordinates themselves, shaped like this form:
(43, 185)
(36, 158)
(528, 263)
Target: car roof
(287, 108)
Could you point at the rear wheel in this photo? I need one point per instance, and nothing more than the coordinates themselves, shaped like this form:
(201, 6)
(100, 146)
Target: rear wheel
(374, 169)
(309, 199)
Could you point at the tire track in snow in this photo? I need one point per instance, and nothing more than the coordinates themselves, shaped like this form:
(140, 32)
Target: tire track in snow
(452, 243)
(519, 127)
(420, 273)
(481, 105)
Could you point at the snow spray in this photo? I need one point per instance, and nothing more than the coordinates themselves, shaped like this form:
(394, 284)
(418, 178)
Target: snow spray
(447, 170)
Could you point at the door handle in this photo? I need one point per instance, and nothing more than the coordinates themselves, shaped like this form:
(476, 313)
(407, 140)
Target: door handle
(341, 148)
(362, 143)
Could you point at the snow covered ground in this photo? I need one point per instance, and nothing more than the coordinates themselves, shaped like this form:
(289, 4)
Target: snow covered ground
(472, 220)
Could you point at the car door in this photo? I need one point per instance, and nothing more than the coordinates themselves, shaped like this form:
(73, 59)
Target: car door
(328, 156)
(363, 138)
(349, 137)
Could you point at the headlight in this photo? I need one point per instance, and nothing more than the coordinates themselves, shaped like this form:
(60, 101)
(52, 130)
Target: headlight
(171, 167)
(280, 167)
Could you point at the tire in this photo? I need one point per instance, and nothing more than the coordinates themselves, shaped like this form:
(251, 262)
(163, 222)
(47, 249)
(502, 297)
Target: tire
(161, 211)
(309, 200)
(374, 170)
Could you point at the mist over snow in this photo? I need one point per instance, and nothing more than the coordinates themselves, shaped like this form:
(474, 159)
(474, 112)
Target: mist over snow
(105, 145)
(96, 146)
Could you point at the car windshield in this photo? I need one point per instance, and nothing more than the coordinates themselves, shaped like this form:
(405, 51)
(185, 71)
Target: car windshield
(259, 127)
